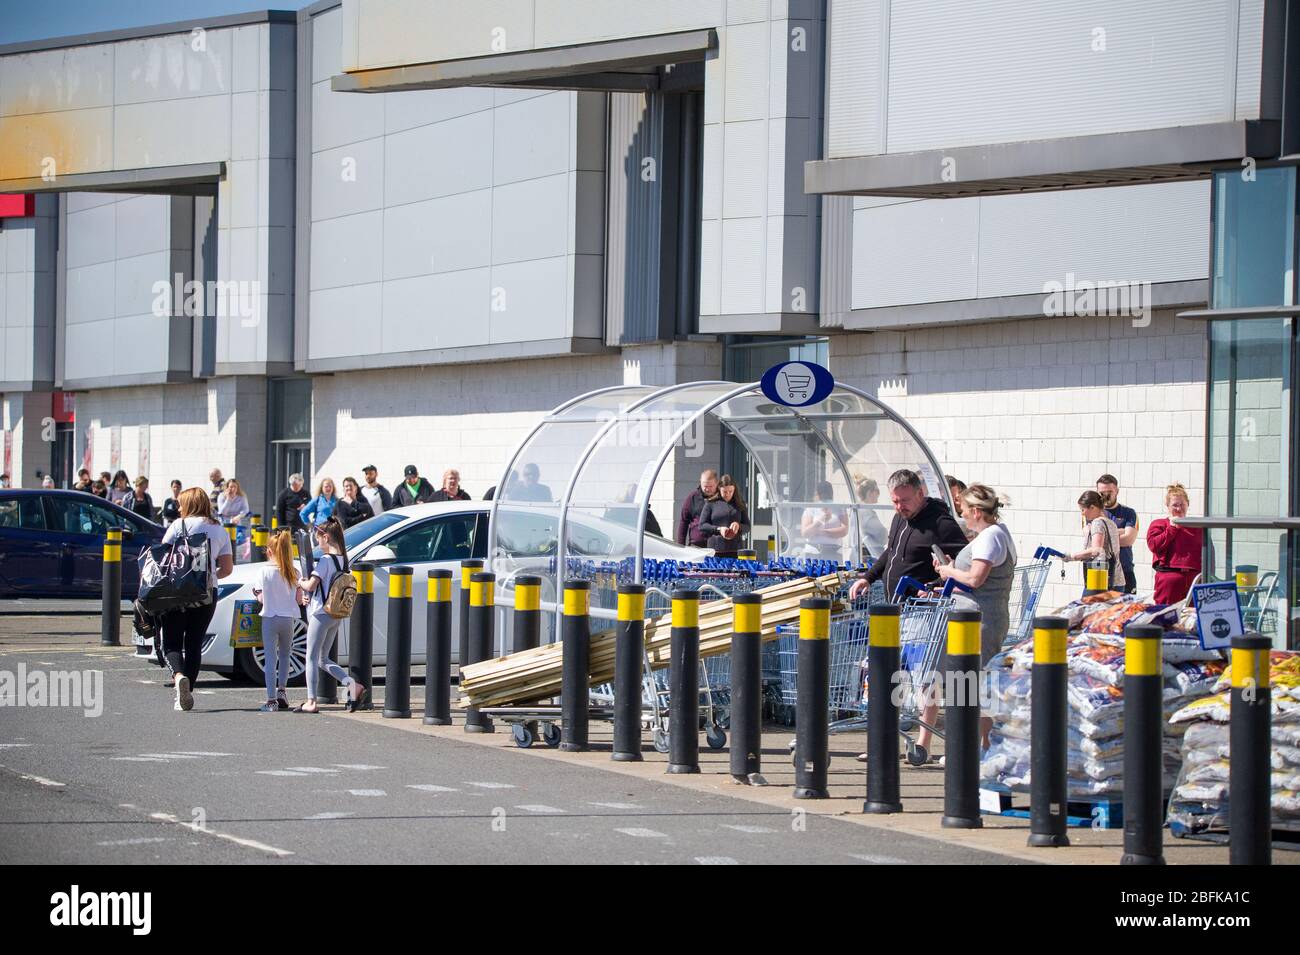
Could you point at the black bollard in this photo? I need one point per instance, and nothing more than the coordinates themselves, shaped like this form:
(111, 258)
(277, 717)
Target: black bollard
(629, 660)
(110, 627)
(437, 650)
(883, 778)
(1096, 577)
(257, 548)
(1250, 823)
(482, 605)
(397, 669)
(1049, 734)
(527, 634)
(684, 684)
(1143, 750)
(747, 688)
(232, 531)
(467, 569)
(747, 555)
(813, 688)
(361, 633)
(575, 637)
(961, 700)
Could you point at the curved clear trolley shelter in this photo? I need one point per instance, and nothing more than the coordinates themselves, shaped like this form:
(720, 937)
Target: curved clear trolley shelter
(577, 488)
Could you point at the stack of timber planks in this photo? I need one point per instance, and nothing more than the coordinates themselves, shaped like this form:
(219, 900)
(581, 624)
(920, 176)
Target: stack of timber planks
(533, 675)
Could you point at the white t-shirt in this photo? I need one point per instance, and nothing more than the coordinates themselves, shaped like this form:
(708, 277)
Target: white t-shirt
(325, 571)
(278, 598)
(218, 539)
(991, 544)
(376, 499)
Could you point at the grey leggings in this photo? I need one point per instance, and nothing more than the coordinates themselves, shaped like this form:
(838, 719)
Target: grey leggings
(277, 641)
(322, 631)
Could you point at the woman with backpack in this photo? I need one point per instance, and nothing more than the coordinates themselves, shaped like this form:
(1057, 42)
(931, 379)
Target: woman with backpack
(183, 631)
(277, 589)
(322, 626)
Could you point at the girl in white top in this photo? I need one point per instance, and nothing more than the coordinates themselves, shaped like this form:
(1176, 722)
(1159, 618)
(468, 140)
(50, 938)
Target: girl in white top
(322, 629)
(183, 631)
(277, 588)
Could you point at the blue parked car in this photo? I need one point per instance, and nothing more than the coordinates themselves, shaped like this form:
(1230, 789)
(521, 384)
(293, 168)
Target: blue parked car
(52, 543)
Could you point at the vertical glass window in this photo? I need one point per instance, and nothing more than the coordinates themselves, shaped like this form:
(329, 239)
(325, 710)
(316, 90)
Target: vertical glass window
(1254, 238)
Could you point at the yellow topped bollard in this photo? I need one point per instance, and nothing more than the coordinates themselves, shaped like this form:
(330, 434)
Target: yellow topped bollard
(110, 628)
(812, 701)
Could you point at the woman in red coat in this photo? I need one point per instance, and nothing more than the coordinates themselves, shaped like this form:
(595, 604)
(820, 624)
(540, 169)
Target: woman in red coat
(1175, 551)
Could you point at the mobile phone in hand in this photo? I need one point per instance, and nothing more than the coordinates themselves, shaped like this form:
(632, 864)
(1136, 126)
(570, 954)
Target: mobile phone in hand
(939, 555)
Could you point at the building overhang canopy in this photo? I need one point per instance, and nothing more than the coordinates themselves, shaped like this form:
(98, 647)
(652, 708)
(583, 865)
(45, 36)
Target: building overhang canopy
(636, 63)
(1074, 162)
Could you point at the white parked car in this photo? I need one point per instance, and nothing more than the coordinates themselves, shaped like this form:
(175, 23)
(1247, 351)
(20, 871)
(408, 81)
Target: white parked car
(423, 537)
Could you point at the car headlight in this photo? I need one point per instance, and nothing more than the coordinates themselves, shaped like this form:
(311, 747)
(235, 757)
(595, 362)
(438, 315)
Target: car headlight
(225, 590)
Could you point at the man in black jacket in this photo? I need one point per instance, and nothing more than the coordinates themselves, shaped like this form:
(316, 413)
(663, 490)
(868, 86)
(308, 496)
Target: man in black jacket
(413, 490)
(919, 523)
(290, 501)
(376, 494)
(691, 507)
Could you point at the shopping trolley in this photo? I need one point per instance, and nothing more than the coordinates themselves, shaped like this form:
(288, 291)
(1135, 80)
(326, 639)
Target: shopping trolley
(797, 385)
(1026, 591)
(923, 622)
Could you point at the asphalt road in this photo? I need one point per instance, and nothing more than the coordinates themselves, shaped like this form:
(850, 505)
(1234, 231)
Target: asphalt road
(142, 783)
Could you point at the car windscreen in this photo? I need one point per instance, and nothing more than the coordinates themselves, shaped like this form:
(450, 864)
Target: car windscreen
(358, 534)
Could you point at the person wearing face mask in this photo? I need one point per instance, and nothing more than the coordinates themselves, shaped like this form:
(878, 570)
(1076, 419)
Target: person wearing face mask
(688, 518)
(919, 523)
(1175, 551)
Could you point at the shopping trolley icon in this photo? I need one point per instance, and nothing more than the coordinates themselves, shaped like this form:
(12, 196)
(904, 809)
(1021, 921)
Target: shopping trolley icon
(797, 385)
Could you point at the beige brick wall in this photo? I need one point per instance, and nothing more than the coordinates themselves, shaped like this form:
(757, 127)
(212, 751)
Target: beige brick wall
(1038, 408)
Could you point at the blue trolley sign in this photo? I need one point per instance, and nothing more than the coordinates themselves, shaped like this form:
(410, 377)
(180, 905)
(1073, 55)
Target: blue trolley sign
(797, 383)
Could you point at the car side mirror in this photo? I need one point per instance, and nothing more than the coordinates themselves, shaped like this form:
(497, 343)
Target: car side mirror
(379, 554)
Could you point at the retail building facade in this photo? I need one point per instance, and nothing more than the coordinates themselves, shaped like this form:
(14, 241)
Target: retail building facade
(436, 221)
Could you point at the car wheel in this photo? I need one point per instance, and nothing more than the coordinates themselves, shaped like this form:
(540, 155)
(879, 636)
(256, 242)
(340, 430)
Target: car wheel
(251, 661)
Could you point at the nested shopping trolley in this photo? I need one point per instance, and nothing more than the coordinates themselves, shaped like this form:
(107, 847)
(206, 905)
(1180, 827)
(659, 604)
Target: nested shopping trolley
(923, 622)
(713, 579)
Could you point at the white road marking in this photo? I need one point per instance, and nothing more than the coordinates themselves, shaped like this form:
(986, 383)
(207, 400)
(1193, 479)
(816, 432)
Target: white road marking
(490, 785)
(131, 842)
(616, 805)
(331, 815)
(643, 833)
(716, 860)
(366, 792)
(357, 766)
(199, 752)
(877, 860)
(52, 784)
(279, 772)
(431, 788)
(312, 769)
(137, 759)
(13, 745)
(195, 827)
(168, 756)
(537, 808)
(751, 830)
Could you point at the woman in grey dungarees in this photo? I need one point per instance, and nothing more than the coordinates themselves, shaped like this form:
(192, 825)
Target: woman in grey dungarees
(988, 566)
